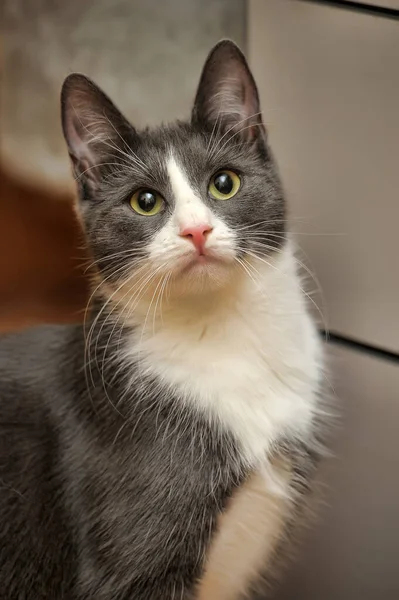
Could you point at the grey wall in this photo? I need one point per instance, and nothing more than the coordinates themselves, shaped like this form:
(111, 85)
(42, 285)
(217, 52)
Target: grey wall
(146, 54)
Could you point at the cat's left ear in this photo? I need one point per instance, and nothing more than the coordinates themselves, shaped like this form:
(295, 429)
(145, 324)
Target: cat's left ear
(93, 127)
(227, 97)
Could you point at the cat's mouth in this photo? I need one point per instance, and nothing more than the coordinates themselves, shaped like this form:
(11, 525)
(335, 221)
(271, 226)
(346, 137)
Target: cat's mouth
(202, 262)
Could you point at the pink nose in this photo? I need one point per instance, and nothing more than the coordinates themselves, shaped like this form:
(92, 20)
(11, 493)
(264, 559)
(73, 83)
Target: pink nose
(197, 235)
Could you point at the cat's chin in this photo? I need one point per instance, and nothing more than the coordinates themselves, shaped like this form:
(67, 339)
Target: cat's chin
(202, 275)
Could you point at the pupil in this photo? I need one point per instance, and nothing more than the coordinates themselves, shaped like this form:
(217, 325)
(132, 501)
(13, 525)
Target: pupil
(223, 183)
(147, 201)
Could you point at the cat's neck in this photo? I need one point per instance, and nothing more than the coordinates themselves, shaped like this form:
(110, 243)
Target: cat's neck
(258, 344)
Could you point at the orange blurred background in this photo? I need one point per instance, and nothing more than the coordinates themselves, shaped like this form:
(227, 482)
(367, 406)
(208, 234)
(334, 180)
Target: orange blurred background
(42, 259)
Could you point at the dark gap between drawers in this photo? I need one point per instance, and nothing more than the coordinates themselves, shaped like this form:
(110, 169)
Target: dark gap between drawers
(371, 9)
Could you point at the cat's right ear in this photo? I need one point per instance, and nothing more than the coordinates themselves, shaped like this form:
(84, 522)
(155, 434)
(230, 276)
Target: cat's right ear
(93, 129)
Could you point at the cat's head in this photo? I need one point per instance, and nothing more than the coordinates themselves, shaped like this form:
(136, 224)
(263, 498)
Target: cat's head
(192, 205)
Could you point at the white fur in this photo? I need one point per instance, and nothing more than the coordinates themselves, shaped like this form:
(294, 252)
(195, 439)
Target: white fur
(189, 210)
(247, 356)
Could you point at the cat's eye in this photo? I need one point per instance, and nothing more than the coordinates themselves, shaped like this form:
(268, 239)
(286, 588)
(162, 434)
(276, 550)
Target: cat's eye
(146, 202)
(224, 185)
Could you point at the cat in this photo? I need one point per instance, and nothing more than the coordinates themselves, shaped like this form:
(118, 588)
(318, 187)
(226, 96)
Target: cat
(166, 448)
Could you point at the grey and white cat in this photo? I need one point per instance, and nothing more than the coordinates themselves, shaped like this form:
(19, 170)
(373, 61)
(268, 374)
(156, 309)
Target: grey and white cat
(165, 450)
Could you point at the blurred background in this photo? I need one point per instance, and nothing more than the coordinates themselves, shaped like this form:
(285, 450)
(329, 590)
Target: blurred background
(328, 78)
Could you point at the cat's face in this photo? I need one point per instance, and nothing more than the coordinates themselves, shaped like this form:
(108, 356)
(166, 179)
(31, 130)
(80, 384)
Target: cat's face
(185, 207)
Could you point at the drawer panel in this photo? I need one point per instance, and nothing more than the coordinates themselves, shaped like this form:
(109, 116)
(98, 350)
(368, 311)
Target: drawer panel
(329, 85)
(351, 552)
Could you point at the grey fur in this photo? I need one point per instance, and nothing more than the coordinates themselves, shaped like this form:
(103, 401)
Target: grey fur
(111, 484)
(90, 509)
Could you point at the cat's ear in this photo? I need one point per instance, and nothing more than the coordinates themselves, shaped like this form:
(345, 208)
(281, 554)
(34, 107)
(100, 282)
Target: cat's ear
(227, 97)
(93, 128)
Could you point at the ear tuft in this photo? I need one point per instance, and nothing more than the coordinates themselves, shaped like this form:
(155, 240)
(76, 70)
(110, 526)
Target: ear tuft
(227, 96)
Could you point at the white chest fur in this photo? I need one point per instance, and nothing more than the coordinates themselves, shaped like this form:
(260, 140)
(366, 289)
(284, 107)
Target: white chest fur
(250, 362)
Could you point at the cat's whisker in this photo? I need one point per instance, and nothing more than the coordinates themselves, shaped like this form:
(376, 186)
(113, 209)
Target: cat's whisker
(93, 136)
(221, 148)
(145, 279)
(144, 411)
(212, 155)
(96, 166)
(109, 317)
(109, 299)
(304, 267)
(304, 292)
(88, 348)
(259, 224)
(218, 121)
(147, 314)
(134, 299)
(94, 294)
(124, 142)
(214, 132)
(129, 308)
(160, 298)
(132, 253)
(246, 269)
(131, 158)
(90, 333)
(313, 276)
(121, 428)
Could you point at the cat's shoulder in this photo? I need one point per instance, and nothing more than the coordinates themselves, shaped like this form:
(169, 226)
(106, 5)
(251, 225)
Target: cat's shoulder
(36, 348)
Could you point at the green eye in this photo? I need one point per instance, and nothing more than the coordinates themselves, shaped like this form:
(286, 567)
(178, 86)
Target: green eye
(224, 185)
(146, 202)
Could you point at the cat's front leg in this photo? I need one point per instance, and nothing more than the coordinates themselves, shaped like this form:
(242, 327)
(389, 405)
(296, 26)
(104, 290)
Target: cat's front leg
(249, 532)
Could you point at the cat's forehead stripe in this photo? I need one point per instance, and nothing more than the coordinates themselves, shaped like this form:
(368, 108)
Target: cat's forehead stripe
(189, 207)
(181, 188)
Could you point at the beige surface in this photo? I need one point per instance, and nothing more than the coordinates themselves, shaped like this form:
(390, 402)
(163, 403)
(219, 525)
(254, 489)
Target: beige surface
(352, 553)
(329, 84)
